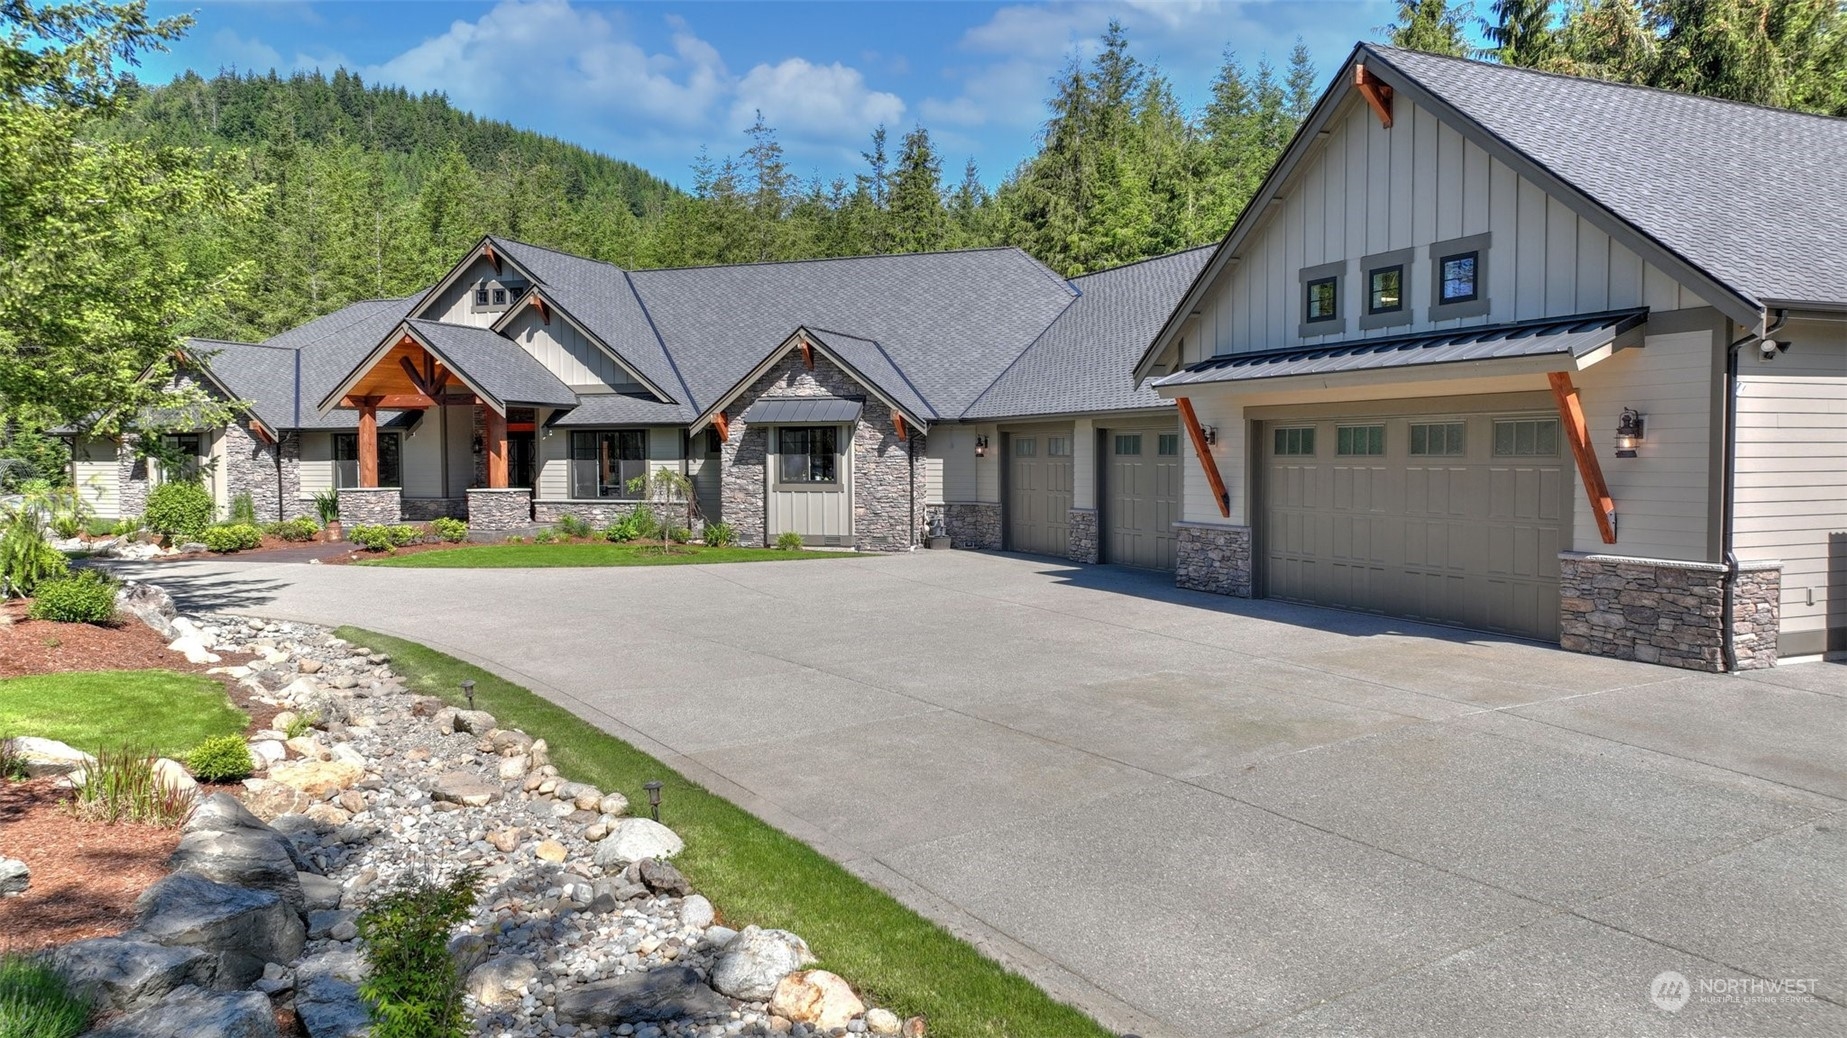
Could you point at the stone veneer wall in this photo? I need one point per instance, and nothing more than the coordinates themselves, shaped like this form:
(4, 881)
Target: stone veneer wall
(1667, 612)
(499, 508)
(602, 513)
(1209, 557)
(1082, 543)
(131, 479)
(424, 509)
(361, 506)
(250, 465)
(888, 497)
(975, 526)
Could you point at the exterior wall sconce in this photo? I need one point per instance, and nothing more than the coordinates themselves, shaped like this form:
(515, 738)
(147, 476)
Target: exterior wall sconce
(1210, 433)
(477, 445)
(654, 798)
(981, 446)
(1628, 433)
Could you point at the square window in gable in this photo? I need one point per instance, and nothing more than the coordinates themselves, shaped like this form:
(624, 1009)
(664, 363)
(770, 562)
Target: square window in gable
(1458, 278)
(1322, 300)
(1385, 290)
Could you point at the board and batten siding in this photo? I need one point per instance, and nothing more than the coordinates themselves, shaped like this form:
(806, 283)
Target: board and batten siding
(1366, 190)
(97, 475)
(1792, 479)
(569, 354)
(966, 479)
(456, 305)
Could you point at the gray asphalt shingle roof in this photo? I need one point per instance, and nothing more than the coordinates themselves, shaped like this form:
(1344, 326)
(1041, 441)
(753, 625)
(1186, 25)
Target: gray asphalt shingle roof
(1568, 336)
(622, 409)
(1085, 360)
(1756, 197)
(873, 364)
(264, 374)
(495, 364)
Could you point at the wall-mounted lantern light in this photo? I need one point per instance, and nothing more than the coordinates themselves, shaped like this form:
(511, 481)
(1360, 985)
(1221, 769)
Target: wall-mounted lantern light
(654, 798)
(981, 446)
(1210, 433)
(1628, 433)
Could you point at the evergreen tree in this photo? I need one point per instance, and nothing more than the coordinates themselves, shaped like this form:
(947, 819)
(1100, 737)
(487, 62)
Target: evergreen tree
(1432, 26)
(768, 187)
(1769, 52)
(1607, 39)
(1521, 33)
(918, 221)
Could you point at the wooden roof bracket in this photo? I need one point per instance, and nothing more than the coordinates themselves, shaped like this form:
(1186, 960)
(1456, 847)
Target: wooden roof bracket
(1376, 91)
(897, 423)
(538, 303)
(492, 256)
(1571, 419)
(807, 354)
(1204, 452)
(723, 425)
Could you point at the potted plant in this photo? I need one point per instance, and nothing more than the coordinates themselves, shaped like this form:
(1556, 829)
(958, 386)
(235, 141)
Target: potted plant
(327, 506)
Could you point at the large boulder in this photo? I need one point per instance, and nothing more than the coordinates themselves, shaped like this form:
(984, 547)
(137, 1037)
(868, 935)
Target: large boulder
(224, 813)
(242, 858)
(756, 960)
(191, 1013)
(662, 878)
(469, 790)
(272, 800)
(244, 928)
(500, 979)
(319, 779)
(15, 876)
(637, 839)
(816, 997)
(150, 604)
(47, 757)
(114, 974)
(321, 893)
(327, 995)
(668, 993)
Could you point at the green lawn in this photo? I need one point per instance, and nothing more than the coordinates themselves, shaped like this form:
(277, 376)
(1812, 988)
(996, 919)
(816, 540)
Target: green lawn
(159, 710)
(525, 556)
(757, 874)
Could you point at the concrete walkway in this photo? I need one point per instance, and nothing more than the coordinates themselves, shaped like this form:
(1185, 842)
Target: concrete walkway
(1197, 816)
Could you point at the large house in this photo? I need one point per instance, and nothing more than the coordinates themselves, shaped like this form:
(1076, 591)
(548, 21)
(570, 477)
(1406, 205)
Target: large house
(1511, 351)
(855, 402)
(1532, 354)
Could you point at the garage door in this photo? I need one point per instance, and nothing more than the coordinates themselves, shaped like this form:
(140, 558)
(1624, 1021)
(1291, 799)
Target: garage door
(1039, 492)
(1454, 520)
(1141, 494)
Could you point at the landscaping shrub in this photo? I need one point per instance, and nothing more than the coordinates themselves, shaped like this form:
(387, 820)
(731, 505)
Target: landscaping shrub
(373, 537)
(26, 559)
(84, 598)
(569, 525)
(36, 1003)
(101, 527)
(300, 529)
(66, 525)
(122, 787)
(327, 505)
(789, 540)
(545, 537)
(638, 524)
(179, 509)
(301, 724)
(127, 526)
(12, 762)
(222, 758)
(720, 535)
(243, 509)
(231, 537)
(679, 535)
(451, 530)
(413, 990)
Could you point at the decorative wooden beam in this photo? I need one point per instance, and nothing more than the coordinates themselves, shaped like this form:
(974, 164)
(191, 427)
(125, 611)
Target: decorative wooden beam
(496, 436)
(538, 303)
(416, 377)
(897, 423)
(368, 441)
(807, 354)
(1204, 452)
(723, 425)
(1571, 418)
(1377, 93)
(492, 256)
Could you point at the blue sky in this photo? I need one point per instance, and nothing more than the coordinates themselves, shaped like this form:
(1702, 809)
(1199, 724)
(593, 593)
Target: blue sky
(653, 82)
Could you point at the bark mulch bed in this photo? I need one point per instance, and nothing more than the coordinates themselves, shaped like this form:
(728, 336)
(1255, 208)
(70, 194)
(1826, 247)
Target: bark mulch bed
(85, 875)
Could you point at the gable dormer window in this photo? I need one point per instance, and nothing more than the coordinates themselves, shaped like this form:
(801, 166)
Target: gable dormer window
(481, 296)
(497, 294)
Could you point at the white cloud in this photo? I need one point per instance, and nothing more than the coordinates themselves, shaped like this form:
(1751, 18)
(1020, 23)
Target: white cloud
(249, 54)
(816, 102)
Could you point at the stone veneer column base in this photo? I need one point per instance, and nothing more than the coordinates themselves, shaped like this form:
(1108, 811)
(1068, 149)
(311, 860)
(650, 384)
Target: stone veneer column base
(369, 506)
(1210, 557)
(1667, 612)
(1081, 544)
(498, 509)
(974, 526)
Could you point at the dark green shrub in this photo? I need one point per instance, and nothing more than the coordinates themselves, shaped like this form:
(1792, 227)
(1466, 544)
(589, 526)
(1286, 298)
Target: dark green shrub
(413, 990)
(373, 537)
(243, 510)
(232, 537)
(85, 598)
(222, 758)
(179, 509)
(569, 525)
(720, 535)
(789, 540)
(545, 537)
(127, 525)
(26, 558)
(451, 530)
(300, 529)
(122, 786)
(101, 527)
(679, 535)
(36, 1003)
(66, 525)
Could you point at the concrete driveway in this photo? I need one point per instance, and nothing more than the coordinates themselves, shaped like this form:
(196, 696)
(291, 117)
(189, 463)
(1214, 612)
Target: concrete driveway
(1197, 816)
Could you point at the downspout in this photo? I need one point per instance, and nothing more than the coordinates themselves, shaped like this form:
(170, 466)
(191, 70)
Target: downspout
(1728, 578)
(910, 451)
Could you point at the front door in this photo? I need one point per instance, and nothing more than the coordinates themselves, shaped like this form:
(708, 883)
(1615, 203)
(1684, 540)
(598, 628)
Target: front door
(520, 468)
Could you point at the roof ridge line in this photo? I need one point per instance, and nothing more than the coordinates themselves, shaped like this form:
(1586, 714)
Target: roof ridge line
(839, 259)
(1028, 348)
(1145, 259)
(672, 365)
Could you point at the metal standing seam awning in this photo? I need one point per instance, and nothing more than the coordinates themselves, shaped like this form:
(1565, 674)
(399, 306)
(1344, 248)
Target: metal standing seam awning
(1574, 340)
(803, 410)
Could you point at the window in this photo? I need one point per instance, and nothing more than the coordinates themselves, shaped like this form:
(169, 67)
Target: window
(191, 455)
(1025, 447)
(1352, 441)
(1322, 301)
(1436, 439)
(808, 454)
(1295, 442)
(1526, 438)
(500, 297)
(603, 463)
(346, 460)
(1385, 290)
(481, 296)
(1168, 445)
(1129, 445)
(1057, 446)
(492, 296)
(1458, 278)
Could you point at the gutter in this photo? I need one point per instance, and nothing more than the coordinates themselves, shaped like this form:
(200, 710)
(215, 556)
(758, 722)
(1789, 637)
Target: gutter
(1729, 506)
